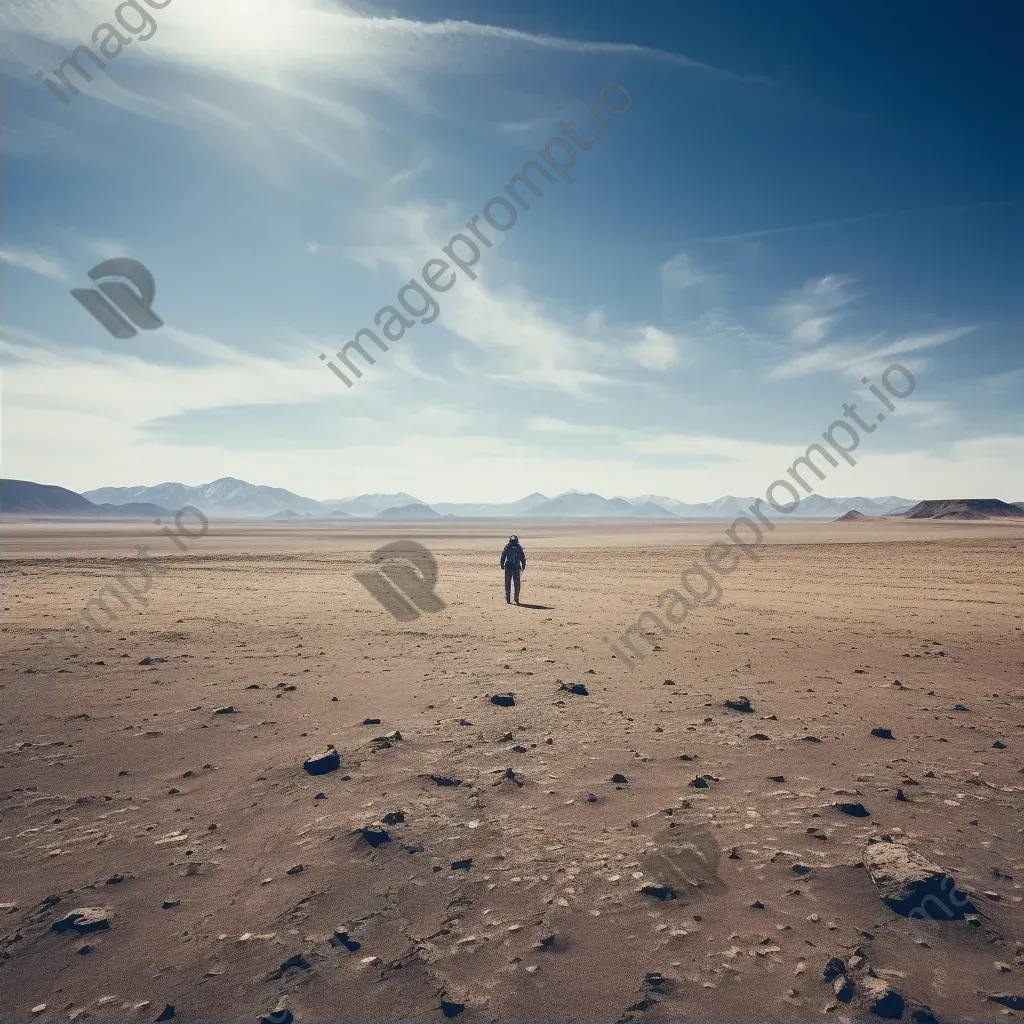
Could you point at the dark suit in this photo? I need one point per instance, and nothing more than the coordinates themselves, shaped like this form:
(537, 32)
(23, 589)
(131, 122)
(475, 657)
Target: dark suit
(513, 561)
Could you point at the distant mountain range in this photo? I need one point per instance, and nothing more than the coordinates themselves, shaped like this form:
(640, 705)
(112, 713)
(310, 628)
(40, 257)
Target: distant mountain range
(228, 498)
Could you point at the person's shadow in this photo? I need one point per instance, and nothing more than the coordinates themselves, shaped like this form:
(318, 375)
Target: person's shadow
(542, 607)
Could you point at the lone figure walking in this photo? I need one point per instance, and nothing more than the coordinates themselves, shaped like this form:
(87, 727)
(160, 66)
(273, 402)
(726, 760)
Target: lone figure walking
(513, 561)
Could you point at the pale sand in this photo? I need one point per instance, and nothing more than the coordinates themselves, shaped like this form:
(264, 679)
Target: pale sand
(938, 606)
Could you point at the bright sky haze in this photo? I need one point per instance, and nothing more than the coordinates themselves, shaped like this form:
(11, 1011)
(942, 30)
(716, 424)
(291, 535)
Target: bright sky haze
(800, 195)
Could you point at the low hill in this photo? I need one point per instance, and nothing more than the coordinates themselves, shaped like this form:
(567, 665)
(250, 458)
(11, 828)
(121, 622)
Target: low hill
(287, 513)
(137, 510)
(413, 511)
(964, 508)
(853, 516)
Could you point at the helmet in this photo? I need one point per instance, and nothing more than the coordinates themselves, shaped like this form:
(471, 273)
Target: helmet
(513, 539)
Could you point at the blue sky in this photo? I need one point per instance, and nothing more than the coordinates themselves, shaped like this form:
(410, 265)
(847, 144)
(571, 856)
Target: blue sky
(799, 195)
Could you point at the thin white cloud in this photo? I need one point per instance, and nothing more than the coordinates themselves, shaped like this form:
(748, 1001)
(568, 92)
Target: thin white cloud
(809, 314)
(26, 259)
(856, 359)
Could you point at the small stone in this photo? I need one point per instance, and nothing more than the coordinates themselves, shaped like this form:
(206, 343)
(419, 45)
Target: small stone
(462, 865)
(578, 688)
(40, 1008)
(393, 818)
(165, 1014)
(227, 709)
(85, 919)
(843, 989)
(901, 796)
(999, 745)
(444, 780)
(450, 1008)
(883, 1000)
(855, 810)
(342, 938)
(740, 704)
(1006, 999)
(375, 836)
(757, 905)
(659, 892)
(801, 869)
(811, 739)
(619, 779)
(321, 764)
(170, 904)
(699, 783)
(776, 778)
(882, 734)
(503, 700)
(296, 869)
(371, 721)
(833, 968)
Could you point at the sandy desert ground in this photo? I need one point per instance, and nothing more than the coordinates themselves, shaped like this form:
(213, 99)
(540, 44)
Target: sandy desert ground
(229, 883)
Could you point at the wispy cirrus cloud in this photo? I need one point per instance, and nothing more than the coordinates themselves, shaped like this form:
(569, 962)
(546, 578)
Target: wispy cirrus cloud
(26, 259)
(854, 359)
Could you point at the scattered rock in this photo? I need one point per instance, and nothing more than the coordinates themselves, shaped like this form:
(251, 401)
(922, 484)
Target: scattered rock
(227, 709)
(394, 736)
(740, 704)
(503, 700)
(759, 736)
(462, 865)
(165, 1014)
(282, 1016)
(445, 780)
(659, 892)
(85, 919)
(699, 783)
(833, 968)
(757, 905)
(450, 1008)
(855, 810)
(811, 739)
(843, 989)
(341, 937)
(912, 886)
(883, 1000)
(371, 721)
(776, 778)
(577, 688)
(393, 818)
(170, 904)
(882, 734)
(375, 836)
(296, 869)
(152, 661)
(1007, 999)
(999, 745)
(619, 779)
(321, 764)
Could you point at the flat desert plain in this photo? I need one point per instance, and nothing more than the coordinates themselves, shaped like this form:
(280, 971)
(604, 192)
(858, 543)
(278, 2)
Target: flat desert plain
(491, 863)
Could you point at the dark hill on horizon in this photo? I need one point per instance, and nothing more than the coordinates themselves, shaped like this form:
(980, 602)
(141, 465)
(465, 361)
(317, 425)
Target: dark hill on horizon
(25, 498)
(964, 508)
